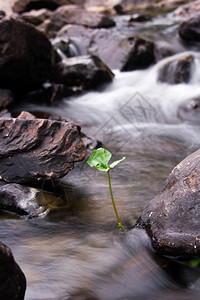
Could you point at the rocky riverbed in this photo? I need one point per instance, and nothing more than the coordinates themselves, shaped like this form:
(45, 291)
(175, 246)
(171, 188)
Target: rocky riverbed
(56, 56)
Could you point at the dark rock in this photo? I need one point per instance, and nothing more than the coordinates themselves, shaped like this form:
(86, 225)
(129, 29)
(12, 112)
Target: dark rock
(2, 14)
(20, 6)
(140, 57)
(26, 56)
(139, 18)
(177, 70)
(36, 17)
(72, 14)
(189, 30)
(31, 150)
(28, 201)
(190, 111)
(6, 98)
(85, 72)
(172, 218)
(13, 281)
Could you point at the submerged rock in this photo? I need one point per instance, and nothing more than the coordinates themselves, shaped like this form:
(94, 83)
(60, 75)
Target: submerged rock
(72, 14)
(190, 111)
(36, 149)
(26, 56)
(189, 30)
(172, 218)
(177, 70)
(13, 281)
(140, 57)
(84, 72)
(28, 201)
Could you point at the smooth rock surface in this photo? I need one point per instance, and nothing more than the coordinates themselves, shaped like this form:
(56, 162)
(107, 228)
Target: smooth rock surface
(13, 281)
(172, 218)
(72, 14)
(36, 149)
(26, 56)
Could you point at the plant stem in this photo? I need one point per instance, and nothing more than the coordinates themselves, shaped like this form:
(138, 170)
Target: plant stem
(113, 203)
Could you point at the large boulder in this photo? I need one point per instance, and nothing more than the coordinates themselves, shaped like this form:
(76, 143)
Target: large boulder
(172, 218)
(189, 30)
(177, 70)
(84, 72)
(13, 281)
(20, 6)
(72, 14)
(26, 56)
(189, 111)
(34, 149)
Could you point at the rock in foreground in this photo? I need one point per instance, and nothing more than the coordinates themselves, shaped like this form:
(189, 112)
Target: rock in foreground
(172, 219)
(26, 56)
(37, 149)
(13, 281)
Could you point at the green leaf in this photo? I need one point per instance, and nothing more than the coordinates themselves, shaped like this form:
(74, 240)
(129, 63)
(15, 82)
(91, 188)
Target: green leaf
(99, 159)
(115, 163)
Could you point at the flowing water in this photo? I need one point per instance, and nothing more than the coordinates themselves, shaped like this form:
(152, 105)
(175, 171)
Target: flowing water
(80, 251)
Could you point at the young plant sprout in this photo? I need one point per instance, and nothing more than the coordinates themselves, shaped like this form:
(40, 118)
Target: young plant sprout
(99, 159)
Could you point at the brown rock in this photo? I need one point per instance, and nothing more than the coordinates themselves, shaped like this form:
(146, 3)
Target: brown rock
(13, 281)
(26, 56)
(85, 72)
(72, 14)
(6, 98)
(177, 70)
(172, 218)
(31, 150)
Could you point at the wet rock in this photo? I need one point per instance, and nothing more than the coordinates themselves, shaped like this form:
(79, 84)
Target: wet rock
(140, 57)
(6, 98)
(72, 14)
(20, 6)
(2, 14)
(36, 17)
(177, 70)
(13, 281)
(85, 72)
(64, 47)
(189, 30)
(139, 18)
(28, 201)
(172, 218)
(26, 56)
(190, 111)
(31, 150)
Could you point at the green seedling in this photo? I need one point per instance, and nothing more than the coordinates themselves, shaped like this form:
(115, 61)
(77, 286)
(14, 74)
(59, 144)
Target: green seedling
(100, 159)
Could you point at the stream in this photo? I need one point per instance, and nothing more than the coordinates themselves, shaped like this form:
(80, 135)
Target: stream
(71, 251)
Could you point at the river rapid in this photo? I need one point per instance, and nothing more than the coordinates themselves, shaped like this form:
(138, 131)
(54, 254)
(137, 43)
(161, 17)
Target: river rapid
(71, 251)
